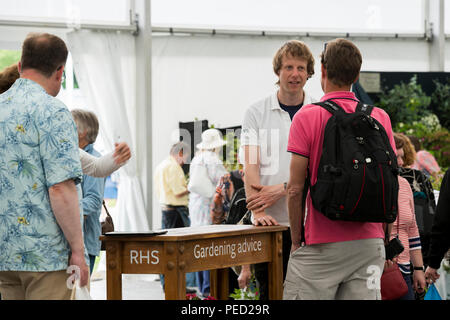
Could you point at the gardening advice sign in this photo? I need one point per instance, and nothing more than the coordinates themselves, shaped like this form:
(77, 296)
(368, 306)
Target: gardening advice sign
(196, 255)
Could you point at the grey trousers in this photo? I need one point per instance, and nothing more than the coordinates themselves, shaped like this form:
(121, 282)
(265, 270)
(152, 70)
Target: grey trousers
(349, 270)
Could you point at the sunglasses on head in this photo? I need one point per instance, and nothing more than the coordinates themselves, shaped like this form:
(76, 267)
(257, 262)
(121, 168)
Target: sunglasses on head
(322, 56)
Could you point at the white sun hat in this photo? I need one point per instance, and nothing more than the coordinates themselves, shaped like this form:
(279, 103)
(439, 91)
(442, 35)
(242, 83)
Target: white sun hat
(211, 139)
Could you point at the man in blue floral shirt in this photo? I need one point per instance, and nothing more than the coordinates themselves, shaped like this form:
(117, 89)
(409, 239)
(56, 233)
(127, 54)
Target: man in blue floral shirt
(40, 227)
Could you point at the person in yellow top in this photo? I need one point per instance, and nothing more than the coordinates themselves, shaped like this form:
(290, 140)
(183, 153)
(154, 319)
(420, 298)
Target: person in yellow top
(171, 187)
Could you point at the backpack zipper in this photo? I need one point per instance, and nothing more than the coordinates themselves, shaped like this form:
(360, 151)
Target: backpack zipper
(362, 189)
(382, 184)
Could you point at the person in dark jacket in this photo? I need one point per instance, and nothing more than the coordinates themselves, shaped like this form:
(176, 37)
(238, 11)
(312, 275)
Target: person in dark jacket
(440, 231)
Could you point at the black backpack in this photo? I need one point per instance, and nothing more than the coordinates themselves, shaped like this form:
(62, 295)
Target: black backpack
(238, 207)
(357, 177)
(238, 203)
(424, 201)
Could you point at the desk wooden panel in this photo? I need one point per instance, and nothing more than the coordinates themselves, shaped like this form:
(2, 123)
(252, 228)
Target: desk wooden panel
(182, 250)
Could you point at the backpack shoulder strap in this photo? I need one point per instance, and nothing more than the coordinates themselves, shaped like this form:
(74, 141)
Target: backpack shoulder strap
(360, 107)
(330, 106)
(364, 108)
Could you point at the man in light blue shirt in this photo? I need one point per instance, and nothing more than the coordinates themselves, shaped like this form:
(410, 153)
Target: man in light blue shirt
(92, 188)
(40, 227)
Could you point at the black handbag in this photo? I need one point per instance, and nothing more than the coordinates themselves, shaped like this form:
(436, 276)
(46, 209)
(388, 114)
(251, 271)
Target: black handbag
(107, 225)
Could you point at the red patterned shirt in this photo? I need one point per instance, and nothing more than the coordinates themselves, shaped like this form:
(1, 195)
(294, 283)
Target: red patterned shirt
(426, 162)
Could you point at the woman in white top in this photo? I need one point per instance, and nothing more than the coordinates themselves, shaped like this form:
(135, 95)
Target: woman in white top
(207, 156)
(199, 205)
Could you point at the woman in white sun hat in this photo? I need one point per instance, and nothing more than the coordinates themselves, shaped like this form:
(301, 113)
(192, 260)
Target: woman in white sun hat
(205, 171)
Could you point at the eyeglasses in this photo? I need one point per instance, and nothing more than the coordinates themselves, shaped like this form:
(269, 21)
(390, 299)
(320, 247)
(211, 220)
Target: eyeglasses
(63, 77)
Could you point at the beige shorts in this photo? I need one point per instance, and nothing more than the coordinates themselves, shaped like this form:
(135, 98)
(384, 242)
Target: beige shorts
(349, 270)
(22, 285)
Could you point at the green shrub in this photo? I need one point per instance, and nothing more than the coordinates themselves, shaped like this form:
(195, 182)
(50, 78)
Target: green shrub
(231, 162)
(441, 99)
(433, 137)
(438, 143)
(420, 128)
(406, 102)
(408, 108)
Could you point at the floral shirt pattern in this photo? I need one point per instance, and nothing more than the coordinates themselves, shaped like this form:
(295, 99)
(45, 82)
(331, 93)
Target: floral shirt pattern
(198, 205)
(38, 148)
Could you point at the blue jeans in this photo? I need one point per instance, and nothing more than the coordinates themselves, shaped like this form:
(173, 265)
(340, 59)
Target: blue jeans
(91, 263)
(410, 294)
(177, 217)
(203, 282)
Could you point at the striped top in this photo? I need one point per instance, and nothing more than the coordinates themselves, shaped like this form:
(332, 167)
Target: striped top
(408, 231)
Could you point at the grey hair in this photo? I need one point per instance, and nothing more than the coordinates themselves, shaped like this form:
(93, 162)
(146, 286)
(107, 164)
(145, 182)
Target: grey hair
(180, 146)
(86, 121)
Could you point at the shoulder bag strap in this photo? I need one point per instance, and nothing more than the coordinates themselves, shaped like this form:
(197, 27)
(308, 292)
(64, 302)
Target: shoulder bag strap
(386, 235)
(307, 185)
(106, 209)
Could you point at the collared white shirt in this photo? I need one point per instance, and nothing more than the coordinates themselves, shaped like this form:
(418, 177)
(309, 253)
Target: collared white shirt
(267, 125)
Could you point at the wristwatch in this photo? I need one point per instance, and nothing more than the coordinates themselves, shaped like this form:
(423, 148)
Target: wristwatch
(419, 268)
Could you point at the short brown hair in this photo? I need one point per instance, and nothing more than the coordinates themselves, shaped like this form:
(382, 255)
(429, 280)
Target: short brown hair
(295, 49)
(402, 141)
(342, 60)
(86, 121)
(8, 76)
(43, 52)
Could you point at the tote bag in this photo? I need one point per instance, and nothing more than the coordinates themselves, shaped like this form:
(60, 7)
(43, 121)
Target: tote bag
(199, 181)
(393, 285)
(432, 293)
(80, 293)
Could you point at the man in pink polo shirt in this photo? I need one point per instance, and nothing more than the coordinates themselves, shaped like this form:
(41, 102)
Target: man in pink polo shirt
(340, 259)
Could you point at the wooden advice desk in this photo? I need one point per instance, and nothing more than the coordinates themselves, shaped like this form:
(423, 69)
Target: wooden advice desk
(181, 250)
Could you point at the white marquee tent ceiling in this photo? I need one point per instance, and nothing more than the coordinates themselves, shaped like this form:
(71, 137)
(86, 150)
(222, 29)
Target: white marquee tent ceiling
(345, 15)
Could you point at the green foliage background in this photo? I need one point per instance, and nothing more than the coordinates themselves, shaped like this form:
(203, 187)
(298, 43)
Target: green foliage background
(8, 57)
(405, 102)
(441, 98)
(408, 107)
